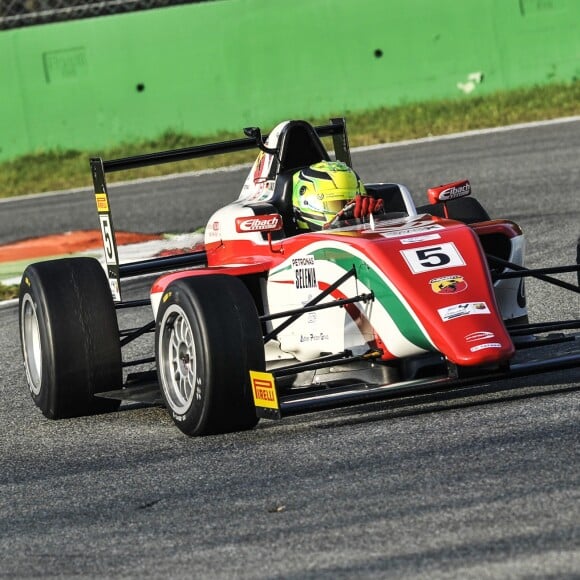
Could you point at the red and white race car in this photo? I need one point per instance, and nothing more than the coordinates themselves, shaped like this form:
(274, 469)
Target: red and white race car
(269, 320)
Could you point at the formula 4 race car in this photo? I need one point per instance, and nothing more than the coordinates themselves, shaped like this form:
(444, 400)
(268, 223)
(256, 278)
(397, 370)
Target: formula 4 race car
(268, 320)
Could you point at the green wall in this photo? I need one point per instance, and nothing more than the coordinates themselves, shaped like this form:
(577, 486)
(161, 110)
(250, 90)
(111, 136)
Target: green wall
(226, 64)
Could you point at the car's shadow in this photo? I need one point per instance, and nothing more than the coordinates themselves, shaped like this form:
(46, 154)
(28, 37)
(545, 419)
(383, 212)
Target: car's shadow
(433, 400)
(437, 400)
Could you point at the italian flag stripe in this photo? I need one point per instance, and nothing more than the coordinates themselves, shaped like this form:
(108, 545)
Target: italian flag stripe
(383, 290)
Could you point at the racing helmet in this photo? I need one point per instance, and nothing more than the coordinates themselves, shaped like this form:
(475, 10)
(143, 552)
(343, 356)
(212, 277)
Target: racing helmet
(321, 191)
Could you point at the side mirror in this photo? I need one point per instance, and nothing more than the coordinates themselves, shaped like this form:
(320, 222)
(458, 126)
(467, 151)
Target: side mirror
(448, 191)
(256, 134)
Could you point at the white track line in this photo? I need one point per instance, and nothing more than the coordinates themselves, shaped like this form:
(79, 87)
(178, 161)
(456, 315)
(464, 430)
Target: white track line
(378, 146)
(472, 133)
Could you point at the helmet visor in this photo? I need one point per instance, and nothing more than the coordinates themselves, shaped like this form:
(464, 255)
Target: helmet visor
(333, 206)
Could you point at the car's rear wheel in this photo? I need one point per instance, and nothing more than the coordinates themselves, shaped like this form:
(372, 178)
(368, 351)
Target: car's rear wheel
(208, 338)
(69, 336)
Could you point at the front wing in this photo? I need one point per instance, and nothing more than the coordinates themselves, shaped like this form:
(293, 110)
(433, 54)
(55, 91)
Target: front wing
(272, 405)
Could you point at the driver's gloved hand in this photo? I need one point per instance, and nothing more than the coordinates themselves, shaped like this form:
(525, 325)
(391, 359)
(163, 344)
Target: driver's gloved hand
(360, 207)
(364, 205)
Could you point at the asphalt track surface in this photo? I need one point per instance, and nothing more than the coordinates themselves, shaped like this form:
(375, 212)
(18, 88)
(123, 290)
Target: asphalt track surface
(479, 483)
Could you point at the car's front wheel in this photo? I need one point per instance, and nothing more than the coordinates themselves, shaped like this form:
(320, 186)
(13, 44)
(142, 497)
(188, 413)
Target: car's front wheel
(208, 338)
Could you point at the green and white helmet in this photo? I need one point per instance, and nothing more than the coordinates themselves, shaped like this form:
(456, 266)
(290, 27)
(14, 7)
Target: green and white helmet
(321, 191)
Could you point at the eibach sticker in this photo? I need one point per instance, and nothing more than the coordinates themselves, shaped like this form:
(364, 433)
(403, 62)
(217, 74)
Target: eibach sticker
(428, 258)
(448, 284)
(464, 309)
(259, 223)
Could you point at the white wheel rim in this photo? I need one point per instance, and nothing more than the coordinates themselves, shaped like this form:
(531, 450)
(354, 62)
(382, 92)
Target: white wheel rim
(31, 344)
(177, 360)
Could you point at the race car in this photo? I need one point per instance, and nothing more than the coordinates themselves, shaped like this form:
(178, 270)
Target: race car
(270, 318)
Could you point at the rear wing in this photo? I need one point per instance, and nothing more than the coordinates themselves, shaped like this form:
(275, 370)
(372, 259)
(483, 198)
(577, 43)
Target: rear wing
(99, 168)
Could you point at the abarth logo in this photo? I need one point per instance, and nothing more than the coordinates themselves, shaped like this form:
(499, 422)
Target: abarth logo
(448, 284)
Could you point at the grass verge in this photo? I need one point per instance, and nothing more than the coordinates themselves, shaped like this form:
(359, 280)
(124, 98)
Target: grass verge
(57, 170)
(9, 291)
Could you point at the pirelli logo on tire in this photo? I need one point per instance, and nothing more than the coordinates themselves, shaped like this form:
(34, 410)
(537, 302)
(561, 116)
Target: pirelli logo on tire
(265, 396)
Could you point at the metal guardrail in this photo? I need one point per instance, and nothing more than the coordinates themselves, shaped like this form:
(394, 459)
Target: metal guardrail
(20, 13)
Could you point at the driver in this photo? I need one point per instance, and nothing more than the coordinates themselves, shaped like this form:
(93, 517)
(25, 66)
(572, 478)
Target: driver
(329, 191)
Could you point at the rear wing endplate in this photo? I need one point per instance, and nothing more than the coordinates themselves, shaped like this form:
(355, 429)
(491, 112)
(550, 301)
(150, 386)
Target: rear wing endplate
(107, 229)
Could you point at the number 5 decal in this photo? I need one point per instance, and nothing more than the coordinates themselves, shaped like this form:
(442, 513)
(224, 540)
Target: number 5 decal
(108, 239)
(430, 258)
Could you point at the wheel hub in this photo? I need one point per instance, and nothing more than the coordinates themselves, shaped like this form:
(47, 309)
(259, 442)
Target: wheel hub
(177, 360)
(31, 345)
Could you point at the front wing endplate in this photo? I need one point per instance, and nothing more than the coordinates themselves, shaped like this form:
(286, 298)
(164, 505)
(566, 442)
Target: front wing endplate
(265, 396)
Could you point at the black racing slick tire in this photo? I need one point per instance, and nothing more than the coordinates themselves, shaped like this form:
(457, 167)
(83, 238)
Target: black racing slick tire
(70, 337)
(208, 338)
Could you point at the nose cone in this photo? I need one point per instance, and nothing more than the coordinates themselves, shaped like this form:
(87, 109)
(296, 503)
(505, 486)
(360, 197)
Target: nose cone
(474, 334)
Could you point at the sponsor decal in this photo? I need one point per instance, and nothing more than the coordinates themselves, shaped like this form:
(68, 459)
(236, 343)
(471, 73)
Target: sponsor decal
(115, 290)
(480, 335)
(259, 165)
(448, 284)
(264, 390)
(453, 192)
(259, 223)
(486, 345)
(304, 273)
(427, 258)
(418, 239)
(305, 278)
(102, 203)
(304, 261)
(213, 230)
(464, 309)
(313, 337)
(412, 231)
(449, 191)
